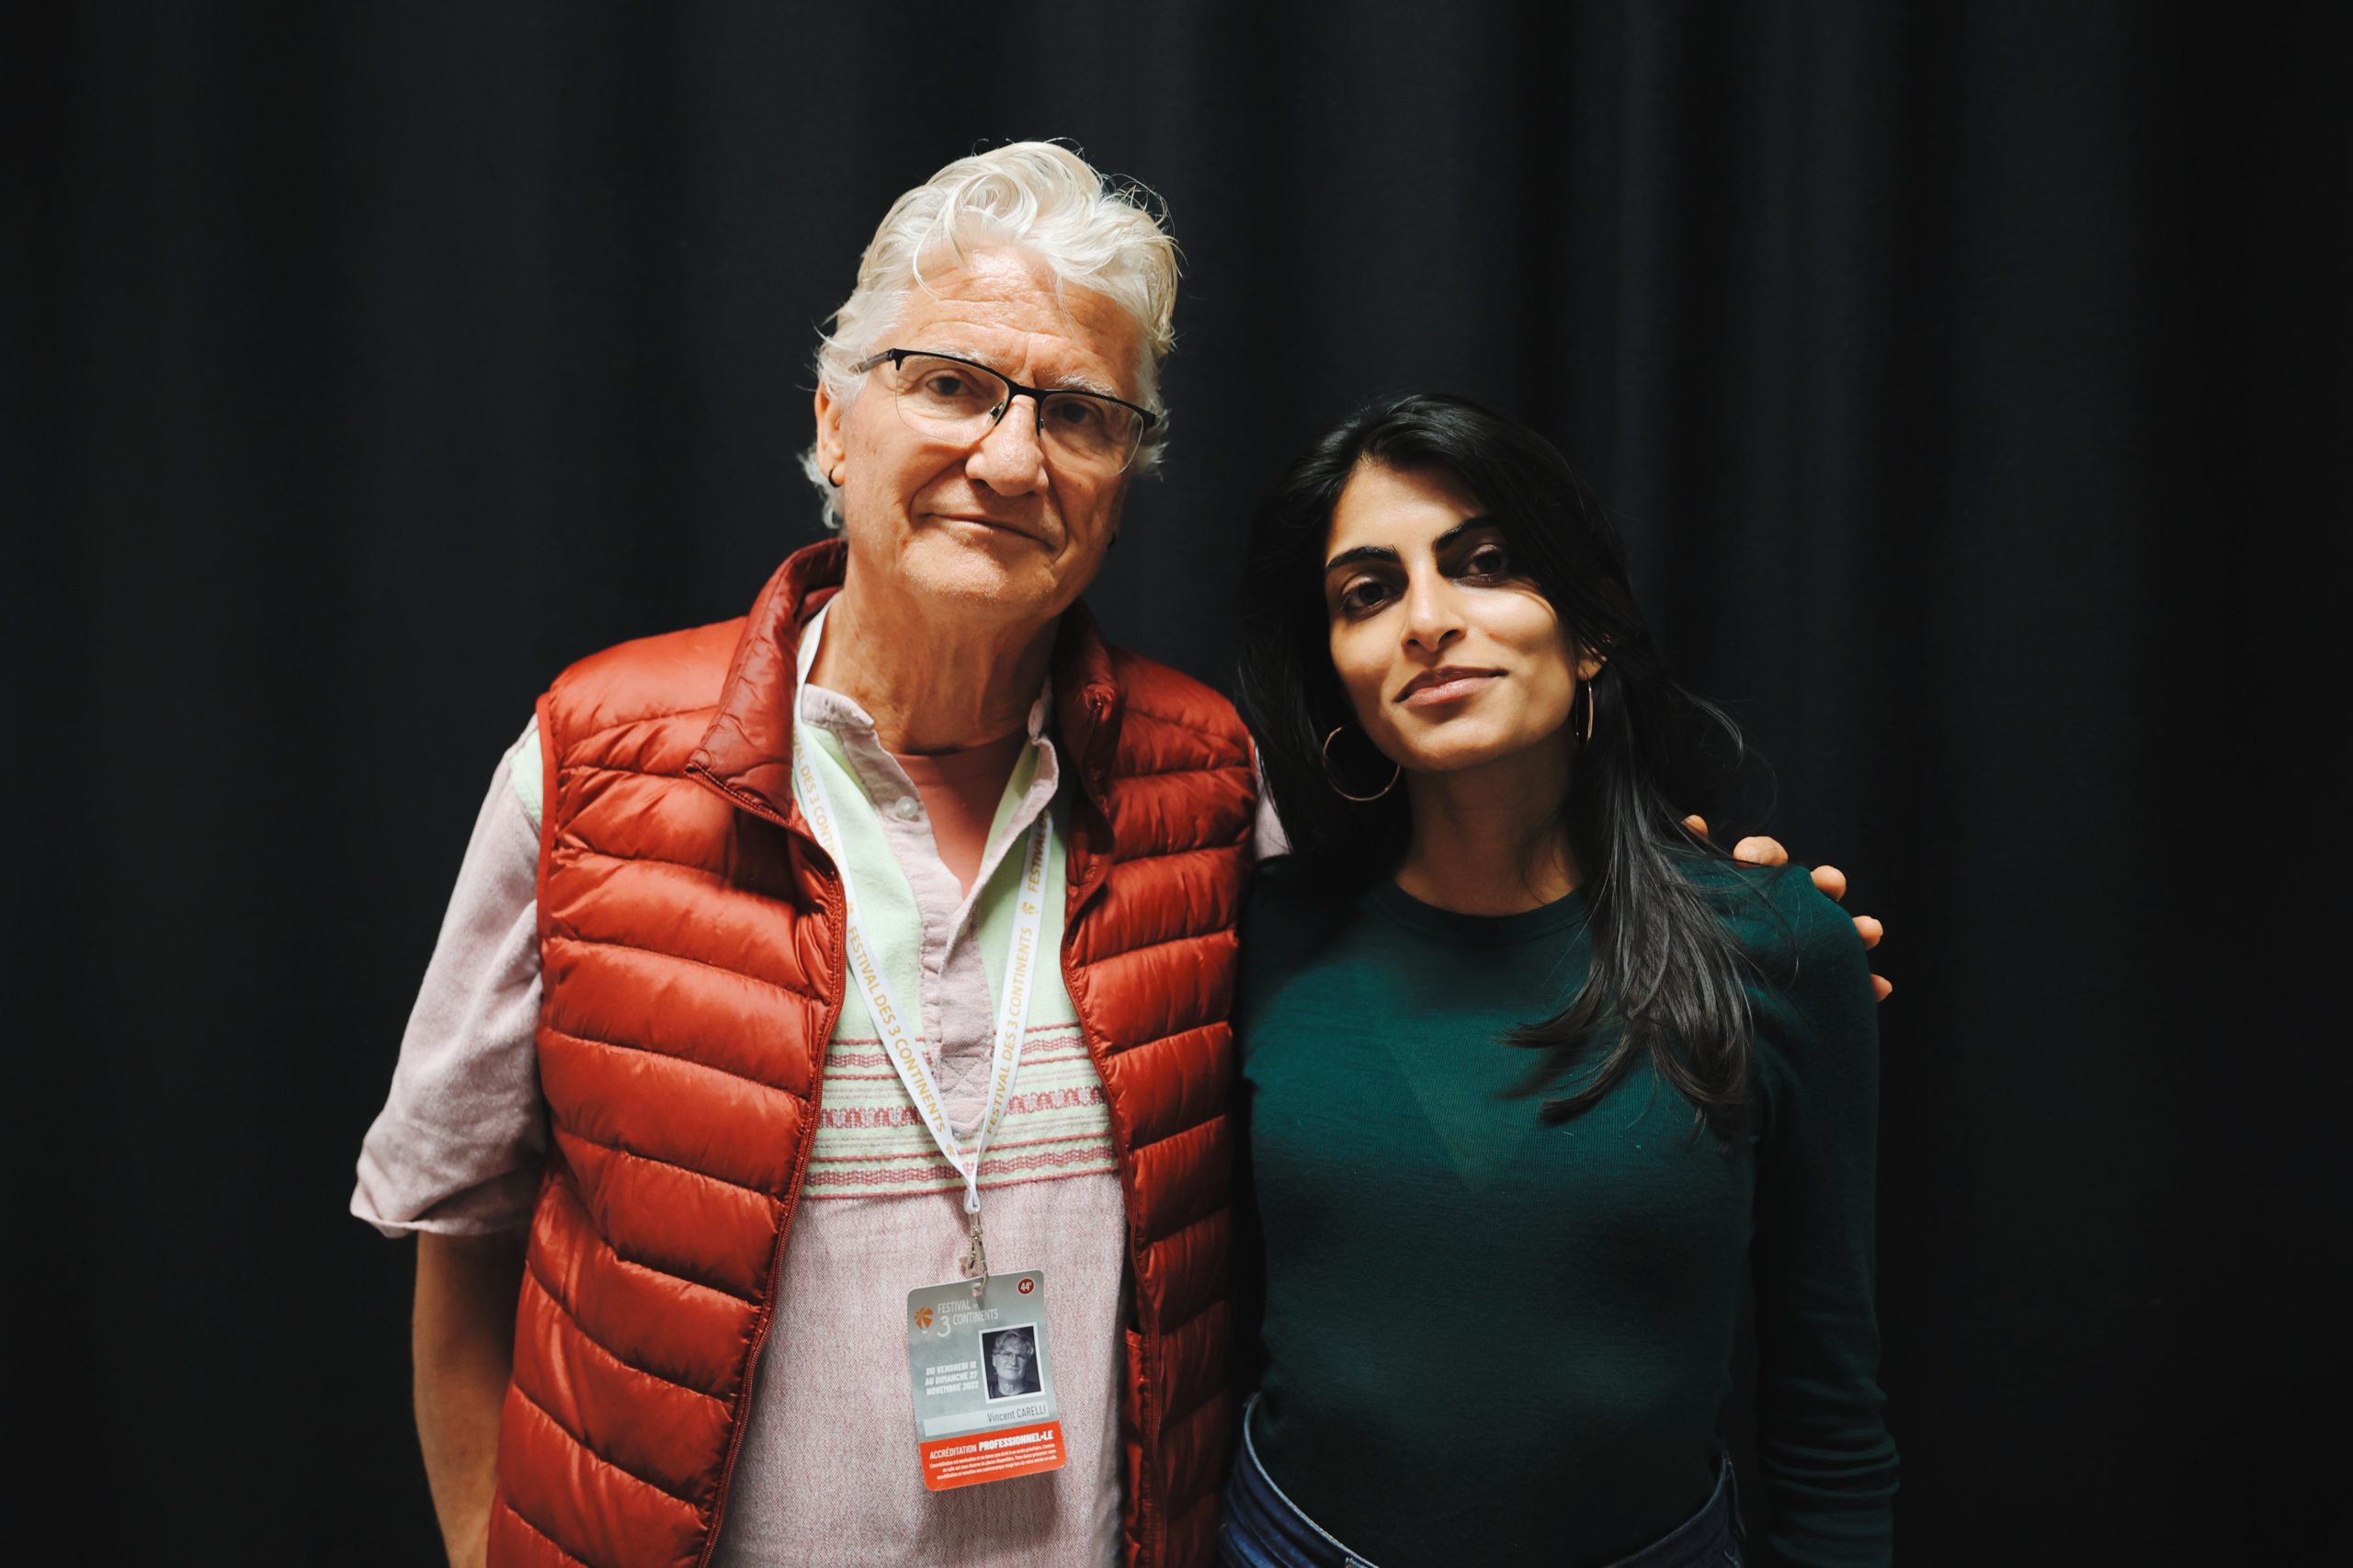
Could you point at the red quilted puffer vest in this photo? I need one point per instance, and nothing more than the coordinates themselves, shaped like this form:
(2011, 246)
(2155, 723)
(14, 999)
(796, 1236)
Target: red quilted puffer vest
(691, 938)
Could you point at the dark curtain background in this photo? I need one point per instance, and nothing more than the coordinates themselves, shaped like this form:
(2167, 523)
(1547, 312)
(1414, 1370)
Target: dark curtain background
(1969, 382)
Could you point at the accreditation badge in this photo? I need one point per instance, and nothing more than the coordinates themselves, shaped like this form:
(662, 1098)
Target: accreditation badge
(984, 1384)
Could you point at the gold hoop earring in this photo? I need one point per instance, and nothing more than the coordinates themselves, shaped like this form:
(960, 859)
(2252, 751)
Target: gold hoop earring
(1328, 779)
(1585, 689)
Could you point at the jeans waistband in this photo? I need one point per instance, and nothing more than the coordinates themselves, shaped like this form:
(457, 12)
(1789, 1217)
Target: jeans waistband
(1277, 1532)
(1258, 1510)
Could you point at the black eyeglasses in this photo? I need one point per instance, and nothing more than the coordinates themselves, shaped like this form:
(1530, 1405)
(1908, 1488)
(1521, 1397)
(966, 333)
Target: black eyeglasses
(943, 397)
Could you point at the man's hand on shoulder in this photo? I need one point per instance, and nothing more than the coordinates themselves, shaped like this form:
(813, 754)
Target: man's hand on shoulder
(1830, 879)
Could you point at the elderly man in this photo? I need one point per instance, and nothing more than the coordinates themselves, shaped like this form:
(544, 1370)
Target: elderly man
(878, 940)
(915, 764)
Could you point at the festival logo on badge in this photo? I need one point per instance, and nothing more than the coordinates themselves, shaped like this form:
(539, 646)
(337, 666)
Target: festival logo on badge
(923, 1317)
(1026, 1286)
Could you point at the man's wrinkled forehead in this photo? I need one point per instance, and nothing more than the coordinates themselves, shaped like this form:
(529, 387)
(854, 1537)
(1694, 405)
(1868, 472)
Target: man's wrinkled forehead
(1011, 313)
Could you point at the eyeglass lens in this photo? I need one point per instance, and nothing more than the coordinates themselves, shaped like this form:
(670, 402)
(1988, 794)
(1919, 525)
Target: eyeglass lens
(948, 400)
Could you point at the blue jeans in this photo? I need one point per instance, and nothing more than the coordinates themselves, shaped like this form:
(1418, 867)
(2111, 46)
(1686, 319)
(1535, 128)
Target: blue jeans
(1263, 1529)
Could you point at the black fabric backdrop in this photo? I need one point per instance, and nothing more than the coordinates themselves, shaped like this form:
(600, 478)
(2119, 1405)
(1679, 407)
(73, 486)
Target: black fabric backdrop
(1970, 386)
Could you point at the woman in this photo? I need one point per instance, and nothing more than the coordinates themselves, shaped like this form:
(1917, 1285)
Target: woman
(1535, 1077)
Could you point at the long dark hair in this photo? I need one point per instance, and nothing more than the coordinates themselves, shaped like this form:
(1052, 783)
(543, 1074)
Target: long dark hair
(1666, 977)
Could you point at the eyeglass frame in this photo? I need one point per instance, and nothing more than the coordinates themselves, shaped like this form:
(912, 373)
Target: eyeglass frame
(1013, 389)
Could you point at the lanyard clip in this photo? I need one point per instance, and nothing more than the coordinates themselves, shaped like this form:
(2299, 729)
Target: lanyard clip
(976, 1259)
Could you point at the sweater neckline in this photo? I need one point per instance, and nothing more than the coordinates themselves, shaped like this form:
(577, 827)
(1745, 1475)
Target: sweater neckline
(1484, 930)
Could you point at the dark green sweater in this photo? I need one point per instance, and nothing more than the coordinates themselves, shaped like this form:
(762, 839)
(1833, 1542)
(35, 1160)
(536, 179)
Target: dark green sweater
(1489, 1340)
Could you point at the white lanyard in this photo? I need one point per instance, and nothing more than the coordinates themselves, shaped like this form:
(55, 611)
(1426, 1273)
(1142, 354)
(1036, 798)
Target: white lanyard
(902, 1040)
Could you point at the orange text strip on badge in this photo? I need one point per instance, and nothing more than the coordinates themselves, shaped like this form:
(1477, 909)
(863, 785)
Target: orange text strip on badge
(950, 1463)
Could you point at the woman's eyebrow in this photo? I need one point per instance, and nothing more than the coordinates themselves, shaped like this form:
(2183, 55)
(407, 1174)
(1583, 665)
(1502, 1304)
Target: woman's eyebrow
(1438, 546)
(1360, 552)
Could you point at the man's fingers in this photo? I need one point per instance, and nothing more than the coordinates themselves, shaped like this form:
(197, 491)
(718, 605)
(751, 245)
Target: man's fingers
(1830, 879)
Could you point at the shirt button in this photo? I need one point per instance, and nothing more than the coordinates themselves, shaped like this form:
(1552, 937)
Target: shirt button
(907, 807)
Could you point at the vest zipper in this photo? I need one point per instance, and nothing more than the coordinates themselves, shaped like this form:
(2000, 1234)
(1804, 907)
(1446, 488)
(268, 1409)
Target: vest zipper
(1147, 1404)
(838, 959)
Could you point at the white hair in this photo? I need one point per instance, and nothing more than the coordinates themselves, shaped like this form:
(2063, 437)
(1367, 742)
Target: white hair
(1041, 198)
